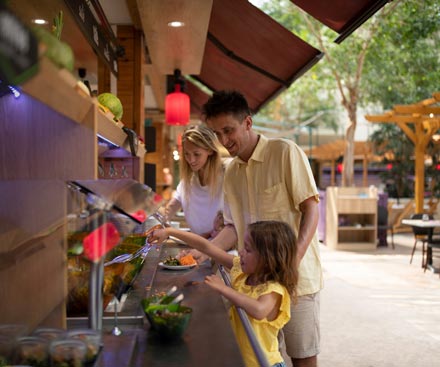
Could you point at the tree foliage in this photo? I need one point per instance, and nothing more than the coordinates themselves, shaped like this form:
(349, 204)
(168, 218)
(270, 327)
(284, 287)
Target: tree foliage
(392, 58)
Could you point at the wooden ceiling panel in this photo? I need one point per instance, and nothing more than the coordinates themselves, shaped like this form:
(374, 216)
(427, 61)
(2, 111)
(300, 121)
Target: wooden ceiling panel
(175, 48)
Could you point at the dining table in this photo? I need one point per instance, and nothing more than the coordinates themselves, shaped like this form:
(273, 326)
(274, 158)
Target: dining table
(426, 223)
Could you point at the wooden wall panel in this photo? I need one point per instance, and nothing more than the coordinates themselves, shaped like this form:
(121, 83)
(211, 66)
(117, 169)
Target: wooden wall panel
(33, 252)
(40, 143)
(40, 149)
(130, 83)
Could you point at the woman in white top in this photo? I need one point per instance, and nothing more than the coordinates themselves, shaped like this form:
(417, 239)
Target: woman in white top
(199, 192)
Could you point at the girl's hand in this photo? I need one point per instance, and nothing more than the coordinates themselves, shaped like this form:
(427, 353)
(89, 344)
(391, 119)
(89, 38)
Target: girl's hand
(158, 236)
(214, 282)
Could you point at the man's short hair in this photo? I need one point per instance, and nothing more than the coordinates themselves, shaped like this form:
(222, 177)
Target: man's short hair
(226, 102)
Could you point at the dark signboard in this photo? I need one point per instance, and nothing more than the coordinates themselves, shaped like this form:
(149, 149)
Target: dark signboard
(92, 30)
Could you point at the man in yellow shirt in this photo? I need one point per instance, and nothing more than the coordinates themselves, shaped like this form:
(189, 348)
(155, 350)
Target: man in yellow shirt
(271, 179)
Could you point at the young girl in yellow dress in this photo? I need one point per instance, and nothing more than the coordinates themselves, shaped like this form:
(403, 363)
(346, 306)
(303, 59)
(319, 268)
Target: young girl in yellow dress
(263, 277)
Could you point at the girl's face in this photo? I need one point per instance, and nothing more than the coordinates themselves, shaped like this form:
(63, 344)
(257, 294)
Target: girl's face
(249, 256)
(195, 156)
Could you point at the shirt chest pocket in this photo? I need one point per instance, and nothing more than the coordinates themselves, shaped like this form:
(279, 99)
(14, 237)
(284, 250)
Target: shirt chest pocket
(273, 199)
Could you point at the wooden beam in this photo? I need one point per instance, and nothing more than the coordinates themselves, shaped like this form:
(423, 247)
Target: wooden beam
(423, 110)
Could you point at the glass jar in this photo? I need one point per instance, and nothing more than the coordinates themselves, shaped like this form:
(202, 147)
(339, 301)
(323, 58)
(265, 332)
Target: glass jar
(49, 333)
(93, 340)
(67, 353)
(32, 351)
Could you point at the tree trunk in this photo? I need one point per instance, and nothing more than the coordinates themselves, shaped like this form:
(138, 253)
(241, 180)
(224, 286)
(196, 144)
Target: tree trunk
(348, 164)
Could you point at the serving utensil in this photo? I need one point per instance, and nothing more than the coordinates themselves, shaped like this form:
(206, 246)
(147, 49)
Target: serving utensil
(142, 251)
(178, 299)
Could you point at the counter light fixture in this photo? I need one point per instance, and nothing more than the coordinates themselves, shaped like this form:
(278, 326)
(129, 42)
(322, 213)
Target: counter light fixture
(176, 24)
(39, 21)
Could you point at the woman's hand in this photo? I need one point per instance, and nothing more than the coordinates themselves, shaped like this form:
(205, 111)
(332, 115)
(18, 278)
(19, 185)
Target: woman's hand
(197, 255)
(158, 236)
(214, 282)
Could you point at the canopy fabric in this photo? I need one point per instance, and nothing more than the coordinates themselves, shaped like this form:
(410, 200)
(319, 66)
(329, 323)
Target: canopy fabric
(343, 16)
(248, 51)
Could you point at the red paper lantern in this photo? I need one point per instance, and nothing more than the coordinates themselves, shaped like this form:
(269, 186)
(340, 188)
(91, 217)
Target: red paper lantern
(177, 107)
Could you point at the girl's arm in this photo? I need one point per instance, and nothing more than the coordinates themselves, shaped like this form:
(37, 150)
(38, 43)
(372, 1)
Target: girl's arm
(195, 241)
(266, 306)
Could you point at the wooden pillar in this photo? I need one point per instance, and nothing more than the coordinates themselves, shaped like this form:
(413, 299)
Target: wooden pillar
(365, 171)
(103, 77)
(332, 180)
(130, 84)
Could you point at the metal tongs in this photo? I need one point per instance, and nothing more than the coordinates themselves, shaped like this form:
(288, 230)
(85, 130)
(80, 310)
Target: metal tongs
(143, 251)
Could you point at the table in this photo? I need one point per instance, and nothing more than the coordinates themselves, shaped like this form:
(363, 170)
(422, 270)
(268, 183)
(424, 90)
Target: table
(431, 223)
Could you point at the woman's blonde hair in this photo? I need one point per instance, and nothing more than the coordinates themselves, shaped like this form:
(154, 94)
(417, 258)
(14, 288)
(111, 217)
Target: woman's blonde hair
(203, 137)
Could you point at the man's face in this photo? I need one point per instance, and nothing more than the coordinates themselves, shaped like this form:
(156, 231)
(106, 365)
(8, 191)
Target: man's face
(233, 134)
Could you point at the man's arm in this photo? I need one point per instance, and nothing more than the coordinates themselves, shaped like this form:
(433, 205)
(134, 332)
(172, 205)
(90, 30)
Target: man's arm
(307, 225)
(226, 238)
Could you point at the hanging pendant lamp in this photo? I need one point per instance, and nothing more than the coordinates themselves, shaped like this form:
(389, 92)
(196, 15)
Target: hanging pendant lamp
(177, 107)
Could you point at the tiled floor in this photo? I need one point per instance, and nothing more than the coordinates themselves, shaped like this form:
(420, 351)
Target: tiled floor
(378, 310)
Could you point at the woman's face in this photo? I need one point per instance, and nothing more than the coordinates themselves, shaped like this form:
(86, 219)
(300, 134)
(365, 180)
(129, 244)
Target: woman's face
(248, 256)
(195, 156)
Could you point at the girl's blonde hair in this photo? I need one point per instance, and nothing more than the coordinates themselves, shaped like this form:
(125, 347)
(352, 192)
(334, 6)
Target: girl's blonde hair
(275, 243)
(203, 137)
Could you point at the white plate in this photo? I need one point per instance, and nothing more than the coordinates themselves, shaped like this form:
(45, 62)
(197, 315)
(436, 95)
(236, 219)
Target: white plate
(176, 267)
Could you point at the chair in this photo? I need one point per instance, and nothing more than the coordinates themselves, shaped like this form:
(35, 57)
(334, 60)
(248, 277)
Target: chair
(430, 254)
(421, 235)
(383, 225)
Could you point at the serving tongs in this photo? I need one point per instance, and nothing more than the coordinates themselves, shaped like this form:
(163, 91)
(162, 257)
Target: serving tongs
(143, 251)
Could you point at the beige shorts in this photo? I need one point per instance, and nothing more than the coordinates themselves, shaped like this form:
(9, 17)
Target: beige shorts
(302, 333)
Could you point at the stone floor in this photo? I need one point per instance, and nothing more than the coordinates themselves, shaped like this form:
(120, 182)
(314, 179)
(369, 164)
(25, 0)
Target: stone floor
(377, 310)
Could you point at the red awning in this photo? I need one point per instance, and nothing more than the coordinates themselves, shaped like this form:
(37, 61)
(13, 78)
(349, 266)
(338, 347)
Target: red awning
(343, 16)
(249, 51)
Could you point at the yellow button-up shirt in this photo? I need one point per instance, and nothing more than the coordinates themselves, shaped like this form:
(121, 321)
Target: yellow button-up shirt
(271, 186)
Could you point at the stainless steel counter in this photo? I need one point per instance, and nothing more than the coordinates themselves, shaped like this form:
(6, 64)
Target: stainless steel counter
(208, 340)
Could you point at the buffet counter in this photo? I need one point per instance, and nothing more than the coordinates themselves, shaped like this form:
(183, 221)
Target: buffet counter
(208, 340)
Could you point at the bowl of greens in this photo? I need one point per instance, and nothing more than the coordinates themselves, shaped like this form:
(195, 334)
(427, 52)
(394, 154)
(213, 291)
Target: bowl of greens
(168, 320)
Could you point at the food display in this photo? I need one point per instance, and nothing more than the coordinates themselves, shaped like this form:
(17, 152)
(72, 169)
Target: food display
(78, 273)
(168, 320)
(67, 353)
(59, 52)
(31, 351)
(9, 333)
(118, 277)
(49, 333)
(109, 101)
(91, 338)
(181, 261)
